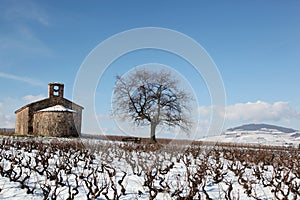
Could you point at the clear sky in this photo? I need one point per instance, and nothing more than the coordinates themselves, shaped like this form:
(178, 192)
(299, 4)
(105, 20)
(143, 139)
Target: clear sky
(254, 44)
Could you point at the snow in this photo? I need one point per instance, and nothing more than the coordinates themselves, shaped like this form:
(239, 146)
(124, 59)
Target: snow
(57, 108)
(137, 168)
(267, 137)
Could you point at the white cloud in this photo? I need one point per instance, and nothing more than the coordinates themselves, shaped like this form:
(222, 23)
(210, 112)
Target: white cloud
(32, 98)
(22, 79)
(204, 111)
(9, 105)
(203, 127)
(6, 121)
(103, 116)
(22, 43)
(252, 112)
(20, 11)
(261, 111)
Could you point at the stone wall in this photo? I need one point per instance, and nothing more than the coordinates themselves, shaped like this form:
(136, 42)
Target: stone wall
(24, 116)
(55, 90)
(22, 119)
(58, 124)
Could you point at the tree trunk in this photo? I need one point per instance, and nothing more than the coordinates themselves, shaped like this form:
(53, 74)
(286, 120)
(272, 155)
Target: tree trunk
(152, 133)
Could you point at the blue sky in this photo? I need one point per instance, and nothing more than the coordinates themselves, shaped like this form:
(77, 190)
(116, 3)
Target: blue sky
(254, 44)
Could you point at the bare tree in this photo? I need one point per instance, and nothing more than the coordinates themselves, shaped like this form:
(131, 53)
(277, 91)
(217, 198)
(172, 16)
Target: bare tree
(152, 98)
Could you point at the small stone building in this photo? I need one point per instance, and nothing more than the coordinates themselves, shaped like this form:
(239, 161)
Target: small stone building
(53, 116)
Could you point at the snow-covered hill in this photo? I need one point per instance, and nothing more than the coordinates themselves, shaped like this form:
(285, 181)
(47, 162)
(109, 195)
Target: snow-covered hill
(264, 134)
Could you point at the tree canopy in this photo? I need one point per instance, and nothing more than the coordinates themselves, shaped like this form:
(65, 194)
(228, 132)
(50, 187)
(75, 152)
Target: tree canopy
(152, 98)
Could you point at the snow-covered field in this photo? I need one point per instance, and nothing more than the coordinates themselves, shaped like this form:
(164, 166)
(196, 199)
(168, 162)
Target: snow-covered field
(258, 134)
(40, 168)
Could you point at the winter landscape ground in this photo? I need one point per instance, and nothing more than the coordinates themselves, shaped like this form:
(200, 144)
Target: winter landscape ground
(51, 168)
(262, 134)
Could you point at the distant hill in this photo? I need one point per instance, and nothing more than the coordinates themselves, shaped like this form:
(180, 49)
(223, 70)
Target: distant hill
(263, 134)
(257, 127)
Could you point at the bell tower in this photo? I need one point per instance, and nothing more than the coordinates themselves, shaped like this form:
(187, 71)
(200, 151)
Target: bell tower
(55, 90)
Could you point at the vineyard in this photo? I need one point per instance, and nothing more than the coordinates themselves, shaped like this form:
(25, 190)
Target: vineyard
(39, 168)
